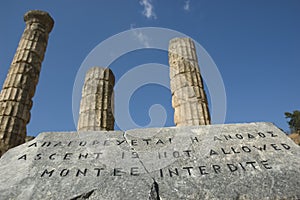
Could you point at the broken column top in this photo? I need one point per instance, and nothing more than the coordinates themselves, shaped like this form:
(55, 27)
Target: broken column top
(100, 73)
(96, 106)
(177, 42)
(40, 17)
(183, 49)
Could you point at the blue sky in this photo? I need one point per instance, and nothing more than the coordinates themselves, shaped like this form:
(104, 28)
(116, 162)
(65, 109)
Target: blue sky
(254, 44)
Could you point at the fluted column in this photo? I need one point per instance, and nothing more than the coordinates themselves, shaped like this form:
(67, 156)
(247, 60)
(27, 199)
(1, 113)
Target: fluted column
(188, 95)
(19, 86)
(96, 106)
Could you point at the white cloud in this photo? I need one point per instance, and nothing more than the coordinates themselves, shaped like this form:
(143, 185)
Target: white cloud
(141, 37)
(186, 6)
(148, 9)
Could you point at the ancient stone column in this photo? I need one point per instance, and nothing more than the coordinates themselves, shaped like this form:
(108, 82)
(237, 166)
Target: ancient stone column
(19, 86)
(96, 106)
(188, 96)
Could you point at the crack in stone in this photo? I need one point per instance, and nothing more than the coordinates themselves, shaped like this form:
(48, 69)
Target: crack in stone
(132, 148)
(83, 196)
(154, 191)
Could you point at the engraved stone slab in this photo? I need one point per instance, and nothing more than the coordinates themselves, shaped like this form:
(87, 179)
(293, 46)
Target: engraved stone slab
(233, 161)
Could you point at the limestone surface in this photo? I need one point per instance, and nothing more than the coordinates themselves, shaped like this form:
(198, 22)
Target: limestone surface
(233, 161)
(22, 78)
(96, 106)
(188, 95)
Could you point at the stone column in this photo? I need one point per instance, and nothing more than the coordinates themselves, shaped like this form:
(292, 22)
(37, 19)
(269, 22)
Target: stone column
(19, 86)
(188, 95)
(96, 106)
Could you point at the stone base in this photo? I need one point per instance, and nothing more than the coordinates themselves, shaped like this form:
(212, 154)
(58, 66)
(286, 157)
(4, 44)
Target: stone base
(232, 161)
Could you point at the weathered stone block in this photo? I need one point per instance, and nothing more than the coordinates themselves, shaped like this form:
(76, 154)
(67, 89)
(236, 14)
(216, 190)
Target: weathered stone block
(15, 109)
(26, 69)
(12, 126)
(184, 80)
(95, 101)
(19, 81)
(233, 161)
(100, 73)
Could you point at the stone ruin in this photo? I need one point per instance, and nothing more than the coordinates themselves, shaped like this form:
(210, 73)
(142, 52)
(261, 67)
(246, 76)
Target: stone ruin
(96, 108)
(194, 160)
(188, 95)
(22, 78)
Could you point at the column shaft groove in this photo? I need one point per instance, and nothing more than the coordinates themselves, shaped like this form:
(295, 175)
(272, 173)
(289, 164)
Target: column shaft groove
(188, 96)
(22, 78)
